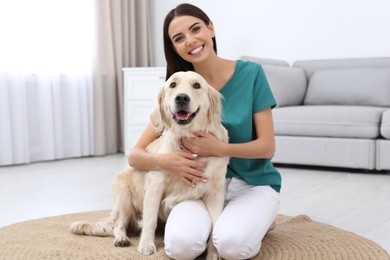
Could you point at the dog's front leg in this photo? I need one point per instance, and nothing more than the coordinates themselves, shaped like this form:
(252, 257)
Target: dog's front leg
(152, 199)
(214, 204)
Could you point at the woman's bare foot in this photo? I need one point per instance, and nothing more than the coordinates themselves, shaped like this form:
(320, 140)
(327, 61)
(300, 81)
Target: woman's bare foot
(272, 227)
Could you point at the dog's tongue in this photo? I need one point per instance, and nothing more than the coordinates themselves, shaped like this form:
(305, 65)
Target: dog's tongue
(182, 115)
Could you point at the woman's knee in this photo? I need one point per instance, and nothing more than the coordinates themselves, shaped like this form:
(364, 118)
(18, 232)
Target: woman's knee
(185, 238)
(184, 247)
(229, 247)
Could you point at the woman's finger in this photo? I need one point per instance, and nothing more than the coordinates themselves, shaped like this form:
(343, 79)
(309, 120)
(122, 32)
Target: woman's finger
(190, 182)
(188, 155)
(200, 134)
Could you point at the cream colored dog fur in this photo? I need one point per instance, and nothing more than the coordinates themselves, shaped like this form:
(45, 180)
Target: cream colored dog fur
(185, 104)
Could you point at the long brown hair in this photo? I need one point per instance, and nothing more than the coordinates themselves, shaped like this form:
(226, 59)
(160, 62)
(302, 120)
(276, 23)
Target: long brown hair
(174, 61)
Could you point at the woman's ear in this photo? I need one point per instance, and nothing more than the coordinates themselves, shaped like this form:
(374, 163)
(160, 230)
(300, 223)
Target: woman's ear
(211, 28)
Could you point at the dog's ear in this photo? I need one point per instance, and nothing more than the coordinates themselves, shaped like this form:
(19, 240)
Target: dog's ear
(215, 111)
(158, 117)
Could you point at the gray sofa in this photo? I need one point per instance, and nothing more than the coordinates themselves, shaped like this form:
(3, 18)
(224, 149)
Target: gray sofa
(333, 113)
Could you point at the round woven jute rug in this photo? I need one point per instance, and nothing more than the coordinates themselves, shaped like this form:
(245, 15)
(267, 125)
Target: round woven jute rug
(294, 238)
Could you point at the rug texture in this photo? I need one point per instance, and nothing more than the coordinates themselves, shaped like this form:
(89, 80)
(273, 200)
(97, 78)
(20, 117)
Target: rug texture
(294, 238)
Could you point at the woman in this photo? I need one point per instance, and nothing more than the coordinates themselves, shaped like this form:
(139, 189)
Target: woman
(252, 183)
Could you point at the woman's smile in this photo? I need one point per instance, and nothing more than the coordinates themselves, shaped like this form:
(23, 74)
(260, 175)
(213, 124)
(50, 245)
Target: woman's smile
(197, 50)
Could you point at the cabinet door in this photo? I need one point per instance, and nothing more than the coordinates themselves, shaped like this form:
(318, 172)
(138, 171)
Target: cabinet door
(140, 90)
(141, 86)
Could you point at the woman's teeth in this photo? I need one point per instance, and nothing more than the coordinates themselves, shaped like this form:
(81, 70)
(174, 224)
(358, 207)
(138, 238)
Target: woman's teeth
(196, 50)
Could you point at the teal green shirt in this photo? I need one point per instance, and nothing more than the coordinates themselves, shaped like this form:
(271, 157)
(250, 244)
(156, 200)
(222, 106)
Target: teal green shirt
(246, 93)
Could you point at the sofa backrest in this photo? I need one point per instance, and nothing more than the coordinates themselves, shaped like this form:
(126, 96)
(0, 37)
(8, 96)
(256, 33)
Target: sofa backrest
(288, 84)
(359, 81)
(311, 66)
(353, 86)
(265, 61)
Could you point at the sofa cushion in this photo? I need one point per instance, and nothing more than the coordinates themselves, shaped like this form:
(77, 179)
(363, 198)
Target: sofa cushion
(328, 121)
(365, 87)
(288, 84)
(385, 124)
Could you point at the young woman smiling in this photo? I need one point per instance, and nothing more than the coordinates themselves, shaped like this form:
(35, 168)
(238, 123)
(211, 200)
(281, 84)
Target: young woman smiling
(252, 182)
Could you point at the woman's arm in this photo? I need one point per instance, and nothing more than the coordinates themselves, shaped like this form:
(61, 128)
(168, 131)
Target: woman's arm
(138, 157)
(179, 163)
(262, 147)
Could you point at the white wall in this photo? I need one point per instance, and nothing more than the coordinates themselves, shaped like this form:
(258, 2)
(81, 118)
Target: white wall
(291, 29)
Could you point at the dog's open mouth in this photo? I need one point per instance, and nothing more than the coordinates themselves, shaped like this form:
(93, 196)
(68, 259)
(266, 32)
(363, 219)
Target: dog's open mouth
(183, 117)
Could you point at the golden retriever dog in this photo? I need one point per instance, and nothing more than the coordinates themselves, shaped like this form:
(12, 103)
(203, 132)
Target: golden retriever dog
(185, 104)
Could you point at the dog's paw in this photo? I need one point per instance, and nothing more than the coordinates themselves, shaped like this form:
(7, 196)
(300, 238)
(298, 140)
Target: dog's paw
(146, 248)
(122, 242)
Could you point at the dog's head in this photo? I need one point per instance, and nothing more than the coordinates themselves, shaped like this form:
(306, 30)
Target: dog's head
(187, 101)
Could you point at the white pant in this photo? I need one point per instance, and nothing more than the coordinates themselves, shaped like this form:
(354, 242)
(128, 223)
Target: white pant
(249, 211)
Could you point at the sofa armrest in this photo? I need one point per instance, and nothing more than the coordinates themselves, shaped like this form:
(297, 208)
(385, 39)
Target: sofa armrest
(385, 124)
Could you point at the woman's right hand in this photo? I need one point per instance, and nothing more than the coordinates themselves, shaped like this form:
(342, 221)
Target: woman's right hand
(183, 164)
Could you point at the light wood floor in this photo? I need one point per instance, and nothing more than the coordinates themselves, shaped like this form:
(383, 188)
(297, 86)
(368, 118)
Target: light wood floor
(357, 202)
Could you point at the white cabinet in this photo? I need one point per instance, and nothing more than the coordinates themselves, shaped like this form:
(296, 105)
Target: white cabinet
(140, 90)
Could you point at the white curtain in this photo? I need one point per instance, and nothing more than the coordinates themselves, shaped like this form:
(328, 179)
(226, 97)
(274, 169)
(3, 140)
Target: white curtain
(45, 80)
(61, 61)
(124, 39)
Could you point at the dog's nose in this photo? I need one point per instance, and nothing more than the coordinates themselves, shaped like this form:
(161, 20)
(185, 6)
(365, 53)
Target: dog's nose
(182, 99)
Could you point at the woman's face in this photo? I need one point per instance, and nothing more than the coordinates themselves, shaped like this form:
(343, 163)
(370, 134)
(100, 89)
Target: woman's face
(191, 38)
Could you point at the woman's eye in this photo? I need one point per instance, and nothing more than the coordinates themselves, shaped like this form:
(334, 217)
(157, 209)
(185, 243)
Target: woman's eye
(178, 39)
(172, 85)
(195, 29)
(196, 85)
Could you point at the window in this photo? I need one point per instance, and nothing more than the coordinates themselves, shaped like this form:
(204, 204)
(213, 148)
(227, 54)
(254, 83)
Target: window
(50, 36)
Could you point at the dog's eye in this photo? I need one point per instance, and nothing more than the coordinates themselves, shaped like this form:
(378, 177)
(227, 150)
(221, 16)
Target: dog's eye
(173, 85)
(196, 85)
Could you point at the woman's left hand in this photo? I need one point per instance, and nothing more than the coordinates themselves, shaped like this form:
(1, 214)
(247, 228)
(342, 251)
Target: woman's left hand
(204, 144)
